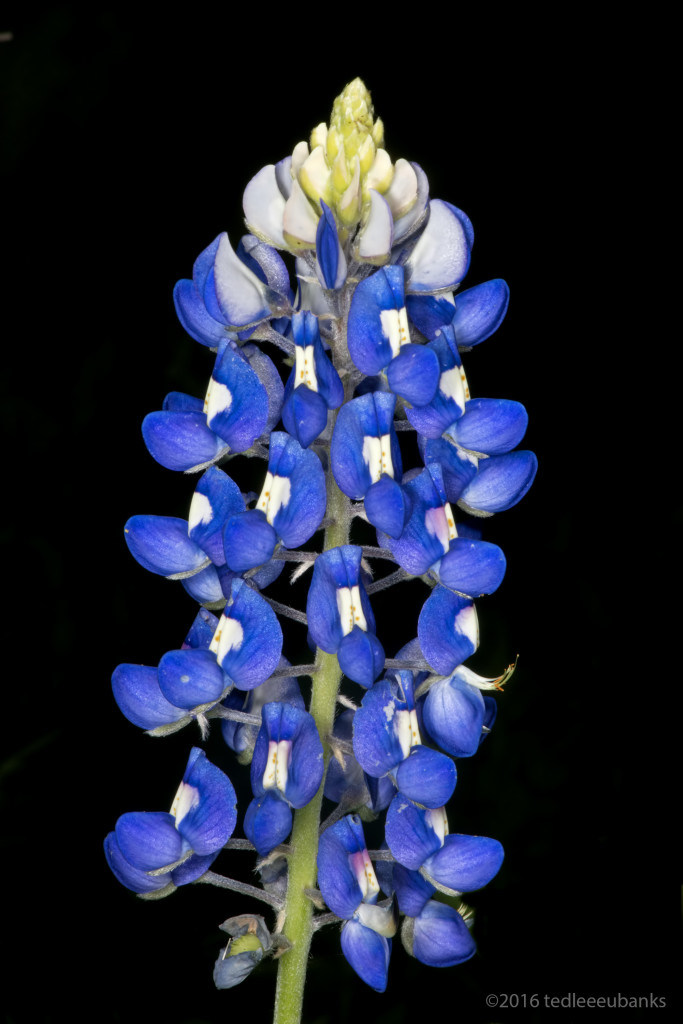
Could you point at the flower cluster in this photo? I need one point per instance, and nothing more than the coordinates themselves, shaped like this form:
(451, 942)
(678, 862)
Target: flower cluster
(372, 327)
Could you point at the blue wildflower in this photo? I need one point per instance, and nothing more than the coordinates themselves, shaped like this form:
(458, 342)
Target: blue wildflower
(349, 886)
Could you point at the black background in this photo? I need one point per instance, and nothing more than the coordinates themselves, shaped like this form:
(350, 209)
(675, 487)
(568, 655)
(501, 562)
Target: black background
(127, 145)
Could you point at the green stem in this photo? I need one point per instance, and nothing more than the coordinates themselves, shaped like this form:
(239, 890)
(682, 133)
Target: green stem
(298, 927)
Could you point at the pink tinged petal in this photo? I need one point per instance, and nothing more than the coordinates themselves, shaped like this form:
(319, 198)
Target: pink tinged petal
(441, 256)
(377, 235)
(264, 206)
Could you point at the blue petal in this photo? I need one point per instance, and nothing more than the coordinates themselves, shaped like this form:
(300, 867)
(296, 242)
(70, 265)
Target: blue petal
(268, 822)
(205, 586)
(250, 641)
(427, 776)
(447, 630)
(361, 656)
(331, 260)
(441, 256)
(181, 441)
(161, 544)
(149, 840)
(409, 833)
(412, 890)
(358, 422)
(490, 425)
(133, 878)
(500, 482)
(440, 936)
(216, 498)
(237, 408)
(268, 266)
(190, 678)
(376, 741)
(201, 631)
(479, 312)
(136, 691)
(270, 379)
(448, 403)
(337, 878)
(211, 820)
(368, 334)
(304, 415)
(453, 714)
(195, 318)
(241, 737)
(414, 374)
(457, 467)
(249, 540)
(334, 569)
(386, 506)
(430, 313)
(193, 868)
(283, 721)
(298, 518)
(425, 538)
(465, 863)
(368, 953)
(473, 567)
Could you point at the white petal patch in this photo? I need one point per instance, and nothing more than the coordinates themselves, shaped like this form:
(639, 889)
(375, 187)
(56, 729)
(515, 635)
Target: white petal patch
(407, 730)
(465, 385)
(228, 637)
(365, 875)
(277, 765)
(452, 385)
(350, 609)
(304, 370)
(218, 399)
(275, 495)
(184, 801)
(438, 821)
(377, 456)
(201, 511)
(395, 328)
(467, 624)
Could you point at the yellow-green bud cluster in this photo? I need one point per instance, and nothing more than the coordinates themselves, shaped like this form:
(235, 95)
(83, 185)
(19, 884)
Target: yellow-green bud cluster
(346, 159)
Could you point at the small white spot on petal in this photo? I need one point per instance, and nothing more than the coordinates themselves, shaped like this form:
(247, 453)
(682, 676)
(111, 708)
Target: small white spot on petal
(395, 328)
(350, 609)
(200, 511)
(231, 637)
(184, 801)
(219, 400)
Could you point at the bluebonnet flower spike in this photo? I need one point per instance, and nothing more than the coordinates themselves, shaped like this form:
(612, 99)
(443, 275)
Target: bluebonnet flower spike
(352, 269)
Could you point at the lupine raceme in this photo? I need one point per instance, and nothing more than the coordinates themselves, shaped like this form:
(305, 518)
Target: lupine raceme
(349, 278)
